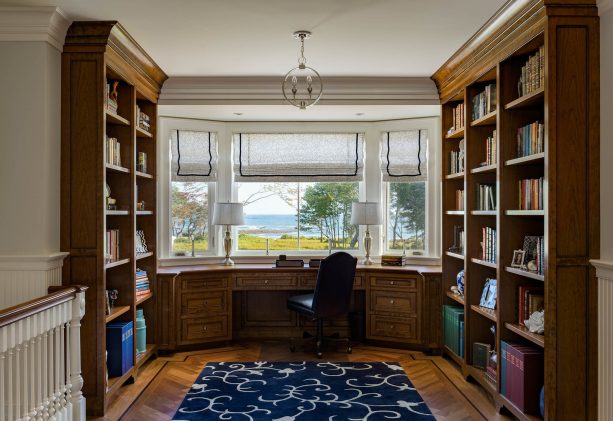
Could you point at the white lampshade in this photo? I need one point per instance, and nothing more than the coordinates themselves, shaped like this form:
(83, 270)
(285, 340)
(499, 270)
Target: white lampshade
(228, 213)
(366, 213)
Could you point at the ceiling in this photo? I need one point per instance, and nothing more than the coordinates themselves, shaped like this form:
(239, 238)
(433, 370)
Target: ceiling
(253, 37)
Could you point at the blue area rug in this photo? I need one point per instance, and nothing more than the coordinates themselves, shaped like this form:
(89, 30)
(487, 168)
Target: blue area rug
(303, 391)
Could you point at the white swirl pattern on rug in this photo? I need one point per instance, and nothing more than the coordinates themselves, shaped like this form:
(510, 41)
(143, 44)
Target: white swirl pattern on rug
(303, 391)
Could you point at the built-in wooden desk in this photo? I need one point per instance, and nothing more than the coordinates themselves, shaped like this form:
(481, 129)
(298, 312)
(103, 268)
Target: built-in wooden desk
(204, 304)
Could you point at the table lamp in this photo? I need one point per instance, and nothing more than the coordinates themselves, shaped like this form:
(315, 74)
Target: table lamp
(366, 213)
(228, 213)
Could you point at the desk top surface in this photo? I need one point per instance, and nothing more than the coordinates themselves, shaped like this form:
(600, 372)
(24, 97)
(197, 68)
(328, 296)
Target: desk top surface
(176, 270)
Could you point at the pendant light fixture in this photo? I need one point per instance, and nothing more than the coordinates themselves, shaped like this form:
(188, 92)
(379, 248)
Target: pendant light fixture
(302, 85)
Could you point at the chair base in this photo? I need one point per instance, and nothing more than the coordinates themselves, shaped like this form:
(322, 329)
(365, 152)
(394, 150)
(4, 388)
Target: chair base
(320, 340)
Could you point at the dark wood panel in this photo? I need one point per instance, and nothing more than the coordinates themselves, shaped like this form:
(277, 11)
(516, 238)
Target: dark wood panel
(266, 281)
(199, 330)
(394, 328)
(266, 308)
(210, 302)
(394, 282)
(394, 302)
(203, 282)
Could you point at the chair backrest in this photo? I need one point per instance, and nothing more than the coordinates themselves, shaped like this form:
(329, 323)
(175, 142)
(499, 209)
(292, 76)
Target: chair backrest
(334, 285)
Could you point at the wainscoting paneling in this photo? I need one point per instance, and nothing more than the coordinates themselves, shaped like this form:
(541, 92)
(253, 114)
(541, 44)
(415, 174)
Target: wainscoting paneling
(604, 271)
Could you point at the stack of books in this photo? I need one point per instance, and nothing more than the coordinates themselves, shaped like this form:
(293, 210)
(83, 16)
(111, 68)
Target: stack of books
(143, 121)
(530, 139)
(453, 329)
(456, 159)
(489, 245)
(113, 151)
(142, 283)
(393, 260)
(531, 194)
(533, 73)
(110, 100)
(485, 102)
(111, 245)
(486, 197)
(521, 375)
(531, 299)
(459, 200)
(457, 119)
(490, 149)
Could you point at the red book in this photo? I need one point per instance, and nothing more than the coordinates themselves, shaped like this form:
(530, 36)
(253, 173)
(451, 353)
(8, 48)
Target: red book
(525, 369)
(524, 295)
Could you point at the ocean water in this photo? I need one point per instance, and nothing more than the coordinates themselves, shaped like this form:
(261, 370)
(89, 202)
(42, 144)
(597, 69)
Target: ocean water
(274, 226)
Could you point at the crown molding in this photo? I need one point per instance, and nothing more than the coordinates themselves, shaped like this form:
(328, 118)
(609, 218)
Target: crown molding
(604, 6)
(604, 269)
(45, 23)
(32, 262)
(266, 90)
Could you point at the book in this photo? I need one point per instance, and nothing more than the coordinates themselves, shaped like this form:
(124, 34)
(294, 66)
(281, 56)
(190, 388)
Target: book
(456, 159)
(111, 245)
(119, 345)
(112, 151)
(490, 149)
(484, 102)
(524, 293)
(488, 245)
(457, 119)
(393, 260)
(531, 194)
(459, 200)
(524, 377)
(453, 320)
(530, 139)
(532, 76)
(486, 197)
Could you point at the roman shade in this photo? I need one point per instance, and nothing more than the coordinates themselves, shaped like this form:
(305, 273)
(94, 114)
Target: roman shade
(298, 157)
(194, 156)
(404, 155)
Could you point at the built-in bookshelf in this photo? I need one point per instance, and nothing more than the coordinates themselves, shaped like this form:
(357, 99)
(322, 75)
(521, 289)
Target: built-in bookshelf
(507, 172)
(109, 191)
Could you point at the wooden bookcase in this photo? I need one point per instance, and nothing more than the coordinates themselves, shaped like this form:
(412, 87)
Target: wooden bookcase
(97, 53)
(567, 104)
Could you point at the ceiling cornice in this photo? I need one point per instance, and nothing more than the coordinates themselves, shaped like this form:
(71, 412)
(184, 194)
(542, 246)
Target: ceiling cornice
(267, 90)
(604, 6)
(44, 23)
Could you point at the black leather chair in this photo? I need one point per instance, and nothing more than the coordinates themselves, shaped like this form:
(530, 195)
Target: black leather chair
(332, 294)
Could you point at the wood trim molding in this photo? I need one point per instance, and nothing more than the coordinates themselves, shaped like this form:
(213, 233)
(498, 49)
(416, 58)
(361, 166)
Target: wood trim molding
(604, 269)
(267, 90)
(44, 23)
(29, 263)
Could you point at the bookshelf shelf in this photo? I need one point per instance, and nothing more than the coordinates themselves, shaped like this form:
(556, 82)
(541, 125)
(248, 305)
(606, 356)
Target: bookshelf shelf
(116, 382)
(484, 213)
(525, 273)
(454, 255)
(455, 176)
(142, 133)
(536, 158)
(144, 298)
(481, 378)
(456, 212)
(144, 213)
(143, 255)
(116, 168)
(458, 134)
(485, 312)
(484, 263)
(486, 120)
(528, 100)
(116, 312)
(516, 412)
(112, 118)
(116, 212)
(519, 212)
(484, 169)
(455, 357)
(143, 175)
(522, 331)
(143, 357)
(116, 263)
(457, 298)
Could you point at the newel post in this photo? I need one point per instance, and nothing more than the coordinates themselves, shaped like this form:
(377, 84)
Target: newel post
(76, 380)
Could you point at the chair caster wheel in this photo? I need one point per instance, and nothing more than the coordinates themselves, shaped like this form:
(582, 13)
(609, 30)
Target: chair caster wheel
(320, 355)
(292, 348)
(349, 350)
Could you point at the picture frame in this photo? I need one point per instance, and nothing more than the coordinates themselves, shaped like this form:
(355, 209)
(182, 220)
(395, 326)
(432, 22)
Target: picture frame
(519, 257)
(489, 295)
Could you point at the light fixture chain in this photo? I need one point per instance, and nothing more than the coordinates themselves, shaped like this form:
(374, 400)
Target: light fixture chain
(302, 59)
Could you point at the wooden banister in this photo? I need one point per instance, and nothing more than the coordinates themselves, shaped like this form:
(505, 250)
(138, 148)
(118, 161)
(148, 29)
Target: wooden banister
(57, 295)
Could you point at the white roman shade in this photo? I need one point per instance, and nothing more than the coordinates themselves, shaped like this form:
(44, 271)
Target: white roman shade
(404, 155)
(194, 156)
(298, 157)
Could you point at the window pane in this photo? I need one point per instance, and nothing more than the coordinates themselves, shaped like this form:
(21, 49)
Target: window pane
(284, 212)
(406, 219)
(189, 218)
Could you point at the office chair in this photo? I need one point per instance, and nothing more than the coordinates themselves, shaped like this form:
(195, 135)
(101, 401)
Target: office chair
(331, 297)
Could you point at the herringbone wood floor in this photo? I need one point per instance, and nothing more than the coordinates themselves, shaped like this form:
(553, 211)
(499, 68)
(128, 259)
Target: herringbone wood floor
(441, 385)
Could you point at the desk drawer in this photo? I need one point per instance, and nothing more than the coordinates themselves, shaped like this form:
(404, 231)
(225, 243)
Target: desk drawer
(391, 301)
(308, 281)
(204, 329)
(200, 283)
(408, 282)
(204, 303)
(394, 328)
(266, 281)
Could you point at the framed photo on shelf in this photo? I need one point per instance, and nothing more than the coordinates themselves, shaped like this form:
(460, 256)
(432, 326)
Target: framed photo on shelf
(488, 297)
(518, 259)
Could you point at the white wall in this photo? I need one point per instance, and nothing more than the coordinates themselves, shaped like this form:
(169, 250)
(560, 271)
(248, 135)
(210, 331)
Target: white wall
(606, 135)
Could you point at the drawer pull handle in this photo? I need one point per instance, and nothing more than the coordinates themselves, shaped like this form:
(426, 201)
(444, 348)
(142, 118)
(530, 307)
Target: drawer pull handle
(391, 301)
(266, 281)
(204, 328)
(391, 282)
(392, 327)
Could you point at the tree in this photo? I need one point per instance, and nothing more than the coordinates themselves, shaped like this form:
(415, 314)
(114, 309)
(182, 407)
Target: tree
(408, 210)
(327, 208)
(190, 210)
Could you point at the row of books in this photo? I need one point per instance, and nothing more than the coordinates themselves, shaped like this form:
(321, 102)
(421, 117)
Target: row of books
(459, 200)
(453, 329)
(458, 240)
(142, 283)
(111, 245)
(486, 197)
(393, 260)
(531, 139)
(488, 252)
(110, 97)
(521, 375)
(141, 164)
(456, 159)
(457, 118)
(142, 120)
(484, 102)
(113, 151)
(490, 149)
(531, 194)
(532, 73)
(531, 299)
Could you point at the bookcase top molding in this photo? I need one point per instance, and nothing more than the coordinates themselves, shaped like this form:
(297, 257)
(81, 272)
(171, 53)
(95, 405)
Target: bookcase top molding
(513, 26)
(111, 37)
